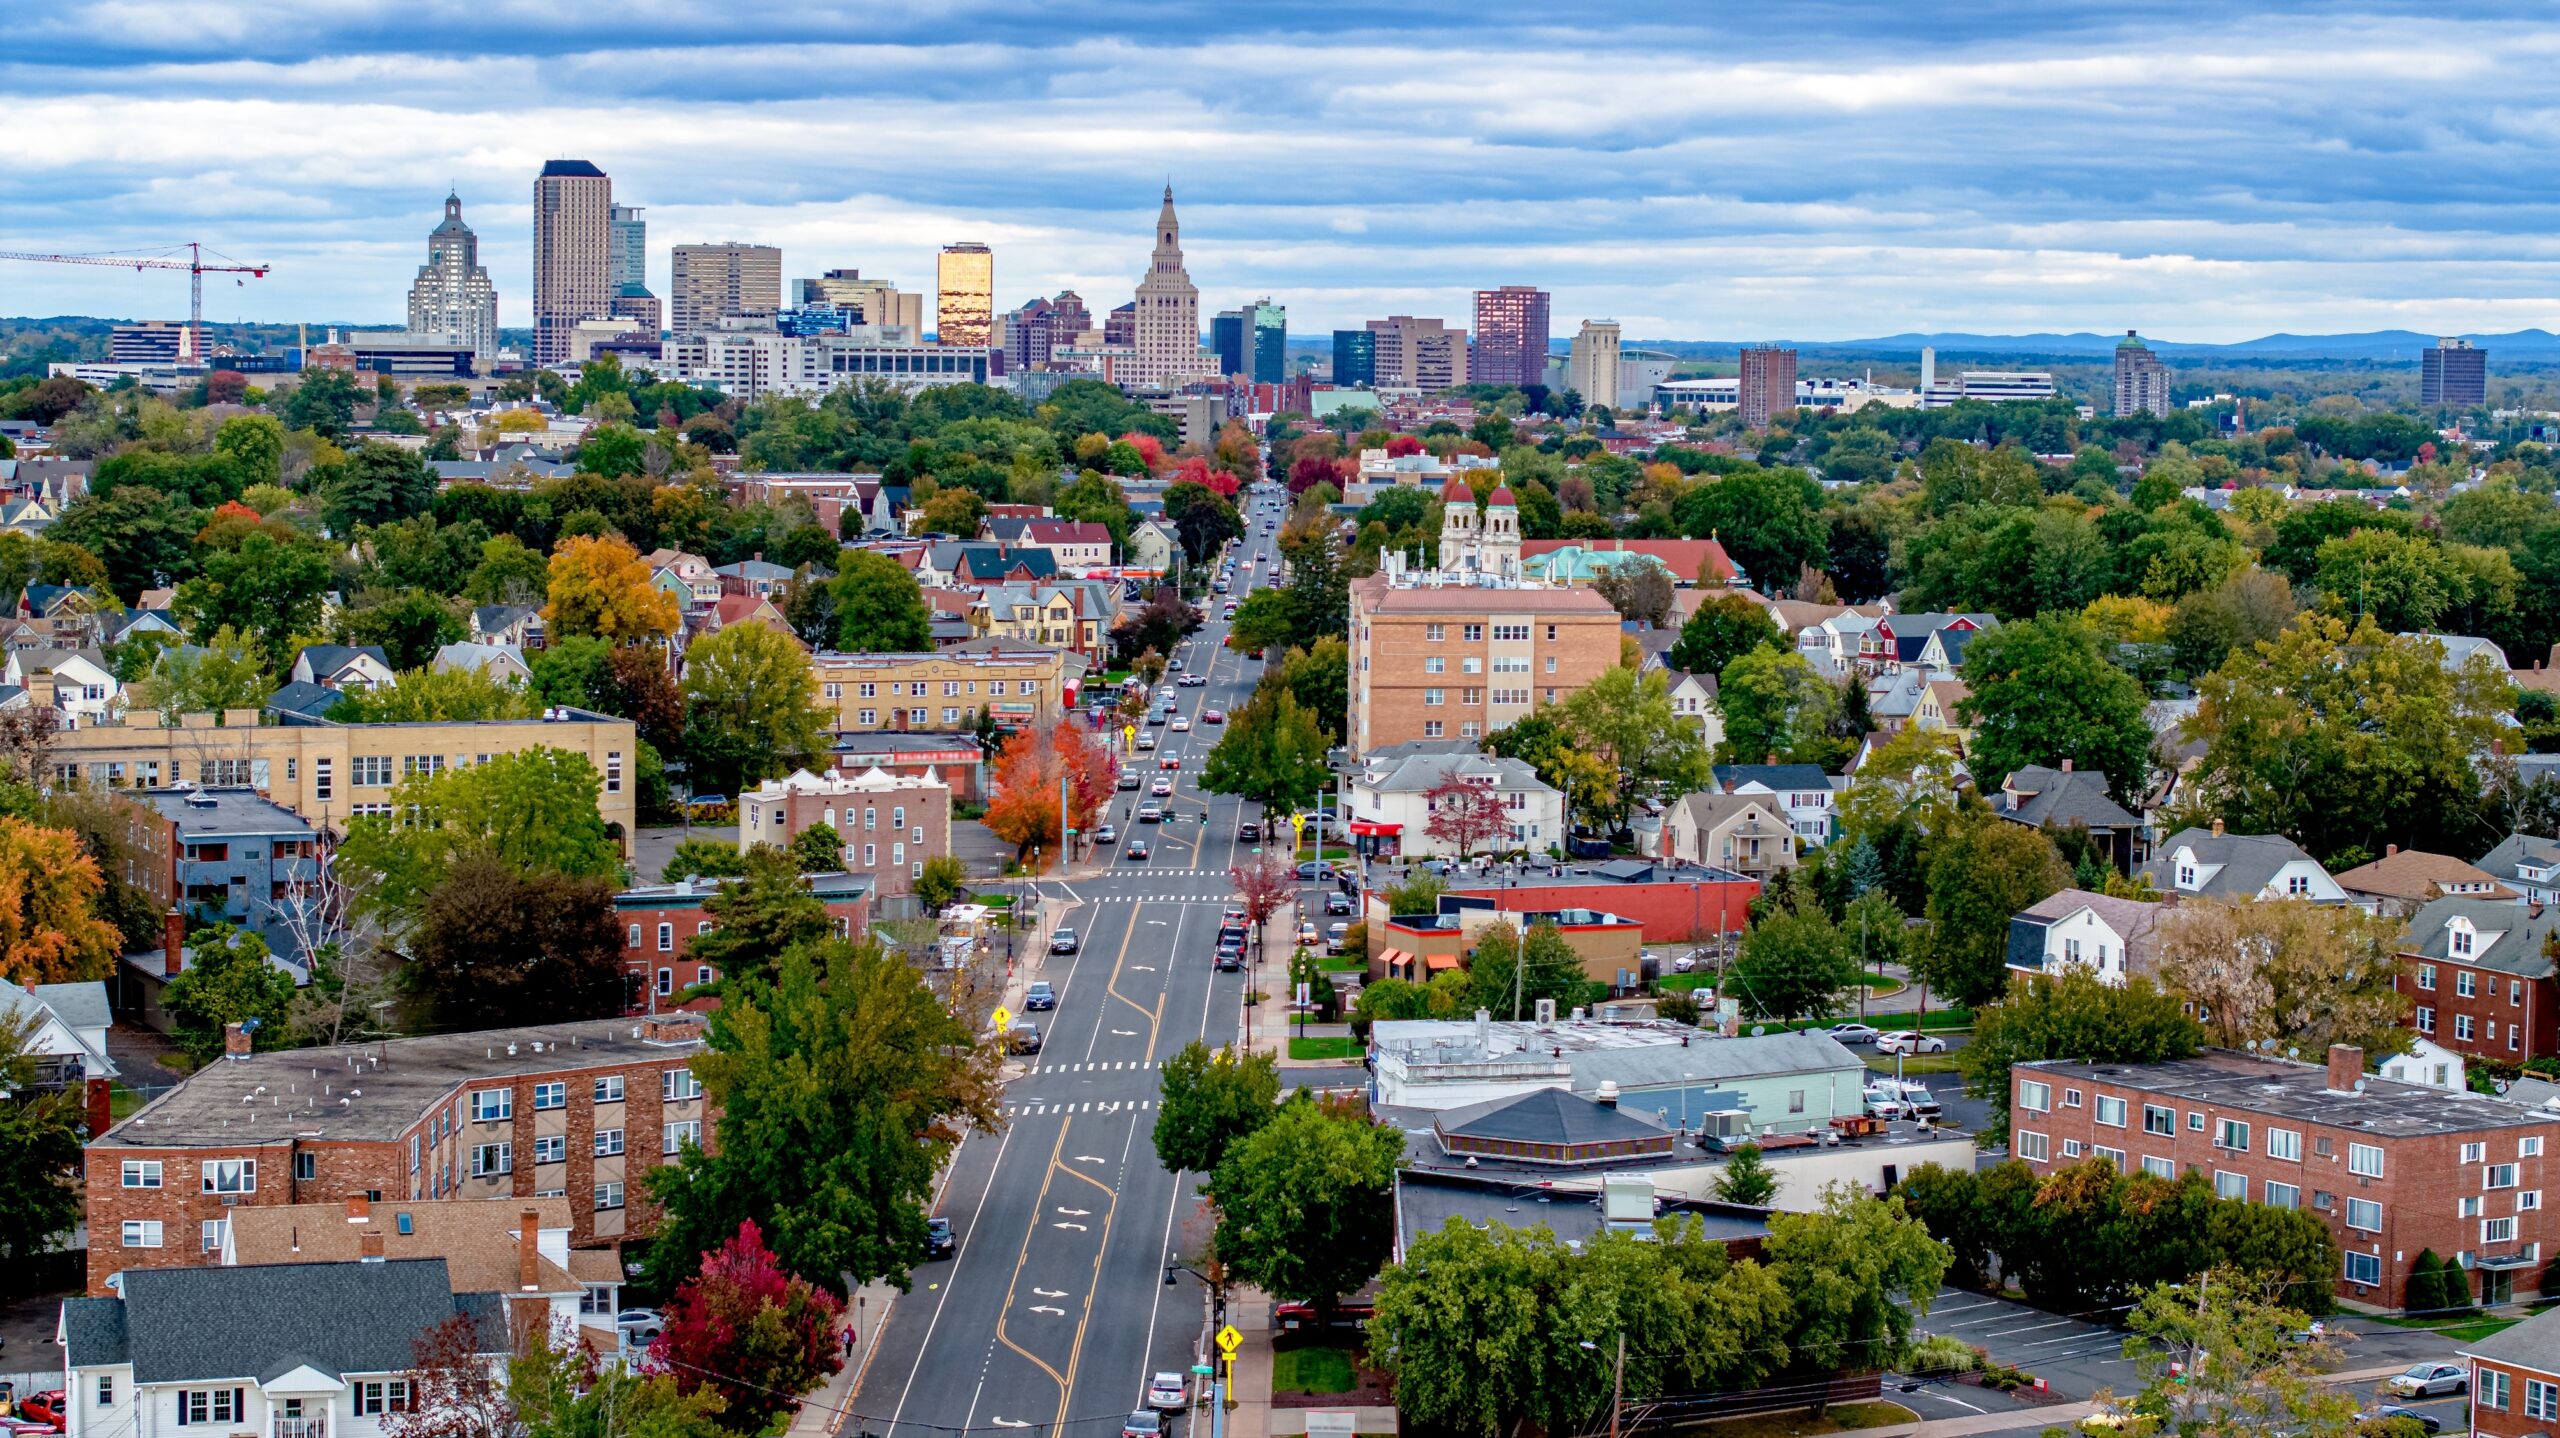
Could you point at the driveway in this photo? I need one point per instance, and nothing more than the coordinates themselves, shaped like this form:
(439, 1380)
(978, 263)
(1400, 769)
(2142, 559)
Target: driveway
(652, 848)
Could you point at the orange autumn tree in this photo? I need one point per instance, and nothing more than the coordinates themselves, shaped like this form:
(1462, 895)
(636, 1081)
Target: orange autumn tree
(1024, 811)
(601, 586)
(50, 932)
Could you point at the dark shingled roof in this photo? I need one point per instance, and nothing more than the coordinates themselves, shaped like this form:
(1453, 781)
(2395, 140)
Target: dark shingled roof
(571, 169)
(2052, 798)
(2533, 1344)
(1547, 1115)
(184, 1325)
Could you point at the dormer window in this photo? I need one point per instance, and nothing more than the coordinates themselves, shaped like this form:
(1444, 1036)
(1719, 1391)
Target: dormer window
(2186, 875)
(2459, 938)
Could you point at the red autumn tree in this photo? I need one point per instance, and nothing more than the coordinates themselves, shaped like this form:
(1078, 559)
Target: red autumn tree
(755, 1335)
(1464, 814)
(1195, 469)
(1025, 808)
(1266, 881)
(1313, 470)
(1402, 445)
(456, 1390)
(1149, 448)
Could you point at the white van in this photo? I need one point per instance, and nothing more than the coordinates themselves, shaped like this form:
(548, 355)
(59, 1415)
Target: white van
(1916, 1098)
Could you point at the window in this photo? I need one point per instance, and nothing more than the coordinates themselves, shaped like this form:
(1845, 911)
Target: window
(1435, 632)
(2364, 1268)
(142, 1173)
(210, 1405)
(1435, 665)
(2233, 1135)
(2498, 1175)
(2529, 1200)
(106, 1390)
(142, 1233)
(2471, 1206)
(2195, 1122)
(609, 1089)
(492, 1105)
(306, 1167)
(2035, 1097)
(2474, 1152)
(596, 1298)
(2110, 1111)
(2227, 1184)
(2463, 987)
(1471, 665)
(613, 771)
(2071, 1148)
(1435, 696)
(635, 937)
(231, 1175)
(2032, 1147)
(608, 1195)
(379, 1397)
(1474, 634)
(2426, 1019)
(1431, 728)
(608, 1142)
(2493, 1389)
(551, 1095)
(2541, 1400)
(2364, 1160)
(2112, 1155)
(210, 1233)
(491, 1159)
(677, 1135)
(2156, 1119)
(370, 771)
(2284, 1143)
(677, 1085)
(2427, 977)
(666, 981)
(2071, 1098)
(2497, 1230)
(2283, 1195)
(666, 938)
(550, 1148)
(2364, 1213)
(2158, 1167)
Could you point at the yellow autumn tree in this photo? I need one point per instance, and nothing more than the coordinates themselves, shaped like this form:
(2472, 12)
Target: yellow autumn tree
(600, 586)
(50, 932)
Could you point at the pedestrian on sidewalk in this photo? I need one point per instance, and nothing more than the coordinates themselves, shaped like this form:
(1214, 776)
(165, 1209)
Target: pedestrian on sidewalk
(850, 1338)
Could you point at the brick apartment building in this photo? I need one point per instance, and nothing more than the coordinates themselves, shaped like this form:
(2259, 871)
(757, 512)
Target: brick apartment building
(2395, 1168)
(2479, 980)
(1433, 660)
(579, 1110)
(2515, 1379)
(660, 921)
(922, 693)
(890, 823)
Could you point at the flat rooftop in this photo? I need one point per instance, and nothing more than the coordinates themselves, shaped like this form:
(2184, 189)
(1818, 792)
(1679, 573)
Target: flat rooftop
(2281, 1088)
(202, 813)
(1425, 1202)
(372, 1093)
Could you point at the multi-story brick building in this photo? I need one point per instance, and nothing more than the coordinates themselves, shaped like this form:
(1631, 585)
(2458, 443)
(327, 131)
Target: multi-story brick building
(2479, 979)
(660, 922)
(1432, 659)
(580, 1110)
(890, 823)
(326, 771)
(920, 693)
(2515, 1379)
(2397, 1169)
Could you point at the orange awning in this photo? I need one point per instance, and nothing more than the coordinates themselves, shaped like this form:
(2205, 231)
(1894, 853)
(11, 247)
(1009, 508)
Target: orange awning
(1441, 961)
(1393, 957)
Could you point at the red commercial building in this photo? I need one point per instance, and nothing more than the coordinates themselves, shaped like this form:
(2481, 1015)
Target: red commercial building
(1675, 903)
(2396, 1169)
(1768, 384)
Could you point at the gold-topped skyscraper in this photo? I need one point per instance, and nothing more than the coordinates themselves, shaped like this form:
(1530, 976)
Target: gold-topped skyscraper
(964, 295)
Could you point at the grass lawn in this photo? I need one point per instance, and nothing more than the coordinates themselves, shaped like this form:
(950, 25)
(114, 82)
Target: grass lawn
(1311, 1370)
(2471, 1332)
(1838, 1418)
(1881, 985)
(1934, 1020)
(1342, 1047)
(1340, 963)
(1682, 983)
(1913, 1063)
(123, 1101)
(995, 901)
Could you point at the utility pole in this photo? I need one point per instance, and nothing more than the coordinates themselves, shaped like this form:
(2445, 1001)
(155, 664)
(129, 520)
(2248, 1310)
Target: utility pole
(1618, 1385)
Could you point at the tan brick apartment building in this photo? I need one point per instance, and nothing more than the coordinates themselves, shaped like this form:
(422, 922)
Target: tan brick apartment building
(1438, 660)
(581, 1111)
(326, 771)
(2397, 1169)
(923, 693)
(890, 823)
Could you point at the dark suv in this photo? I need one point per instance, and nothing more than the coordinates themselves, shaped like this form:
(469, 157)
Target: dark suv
(1249, 832)
(939, 1241)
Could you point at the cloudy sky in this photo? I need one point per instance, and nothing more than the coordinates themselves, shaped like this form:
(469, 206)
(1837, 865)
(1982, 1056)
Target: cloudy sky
(1822, 170)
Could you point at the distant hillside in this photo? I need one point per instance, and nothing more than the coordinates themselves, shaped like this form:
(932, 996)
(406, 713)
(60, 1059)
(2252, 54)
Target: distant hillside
(2532, 346)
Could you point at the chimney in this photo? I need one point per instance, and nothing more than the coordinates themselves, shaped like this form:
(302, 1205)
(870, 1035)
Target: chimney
(99, 1097)
(2217, 828)
(2390, 851)
(1770, 759)
(2066, 766)
(2346, 1068)
(370, 1246)
(235, 1042)
(173, 943)
(529, 1250)
(2498, 747)
(360, 1209)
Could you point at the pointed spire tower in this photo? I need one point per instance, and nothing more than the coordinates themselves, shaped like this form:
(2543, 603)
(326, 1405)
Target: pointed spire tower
(1167, 338)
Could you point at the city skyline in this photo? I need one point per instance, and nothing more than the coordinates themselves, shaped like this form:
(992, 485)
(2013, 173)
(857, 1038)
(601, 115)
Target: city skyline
(1718, 179)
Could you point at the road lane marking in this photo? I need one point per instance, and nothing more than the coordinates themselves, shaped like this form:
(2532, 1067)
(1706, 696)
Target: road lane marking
(1021, 1260)
(936, 1321)
(1044, 1308)
(1078, 1227)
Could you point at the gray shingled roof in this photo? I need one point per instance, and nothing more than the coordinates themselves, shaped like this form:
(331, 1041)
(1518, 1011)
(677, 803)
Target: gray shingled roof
(2533, 1344)
(1547, 1115)
(2509, 935)
(1781, 778)
(2248, 861)
(2059, 800)
(2516, 849)
(184, 1325)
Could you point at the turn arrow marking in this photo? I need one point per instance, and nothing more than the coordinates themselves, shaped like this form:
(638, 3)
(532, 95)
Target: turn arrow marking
(1077, 1212)
(1050, 1292)
(1087, 1158)
(1044, 1308)
(1078, 1227)
(1008, 1422)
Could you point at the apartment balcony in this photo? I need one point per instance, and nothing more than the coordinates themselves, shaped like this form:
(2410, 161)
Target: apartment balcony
(299, 1428)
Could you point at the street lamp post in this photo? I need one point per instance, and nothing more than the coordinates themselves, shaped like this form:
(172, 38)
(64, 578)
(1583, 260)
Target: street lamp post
(1618, 1383)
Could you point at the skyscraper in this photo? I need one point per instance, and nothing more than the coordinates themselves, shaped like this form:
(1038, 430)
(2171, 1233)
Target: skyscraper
(2142, 381)
(629, 247)
(1592, 370)
(452, 295)
(1231, 341)
(2453, 375)
(572, 253)
(1267, 340)
(1419, 354)
(1167, 332)
(1073, 318)
(711, 283)
(1768, 384)
(964, 296)
(1355, 357)
(1511, 336)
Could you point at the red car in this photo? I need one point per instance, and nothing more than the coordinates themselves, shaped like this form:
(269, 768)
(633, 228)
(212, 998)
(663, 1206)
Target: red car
(1213, 717)
(1170, 761)
(45, 1407)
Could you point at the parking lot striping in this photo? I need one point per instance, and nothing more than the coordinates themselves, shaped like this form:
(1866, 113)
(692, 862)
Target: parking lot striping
(2030, 1328)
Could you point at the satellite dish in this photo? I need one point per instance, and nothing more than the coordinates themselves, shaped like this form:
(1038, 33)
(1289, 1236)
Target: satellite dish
(1758, 1029)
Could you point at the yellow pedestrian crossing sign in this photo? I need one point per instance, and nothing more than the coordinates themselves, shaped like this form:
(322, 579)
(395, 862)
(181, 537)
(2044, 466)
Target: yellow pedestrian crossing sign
(1004, 1020)
(1229, 1340)
(1298, 822)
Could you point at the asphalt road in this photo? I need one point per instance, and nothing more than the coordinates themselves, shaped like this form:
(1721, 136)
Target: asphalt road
(1054, 1311)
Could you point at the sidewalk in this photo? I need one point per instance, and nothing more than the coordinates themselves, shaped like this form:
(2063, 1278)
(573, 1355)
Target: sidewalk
(824, 1412)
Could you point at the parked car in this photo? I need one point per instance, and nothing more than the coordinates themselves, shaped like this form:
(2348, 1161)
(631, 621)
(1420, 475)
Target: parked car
(1917, 1100)
(1145, 1423)
(1306, 936)
(939, 1240)
(2428, 1380)
(1294, 1315)
(1106, 834)
(639, 1325)
(1248, 832)
(1230, 959)
(45, 1407)
(1168, 1393)
(1063, 941)
(1023, 1037)
(2372, 1419)
(1337, 903)
(1881, 1103)
(1146, 743)
(1128, 781)
(1845, 1033)
(1907, 1041)
(1156, 719)
(1039, 996)
(1315, 869)
(1333, 938)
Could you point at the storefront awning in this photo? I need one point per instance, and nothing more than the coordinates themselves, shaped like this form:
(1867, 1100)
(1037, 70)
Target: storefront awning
(1363, 826)
(1441, 961)
(1393, 957)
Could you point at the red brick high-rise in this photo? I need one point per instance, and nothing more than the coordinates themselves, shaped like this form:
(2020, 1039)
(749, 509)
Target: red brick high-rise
(1511, 337)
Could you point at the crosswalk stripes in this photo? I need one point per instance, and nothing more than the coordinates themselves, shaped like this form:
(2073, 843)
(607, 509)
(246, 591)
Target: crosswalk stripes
(1122, 1066)
(1216, 898)
(1104, 1106)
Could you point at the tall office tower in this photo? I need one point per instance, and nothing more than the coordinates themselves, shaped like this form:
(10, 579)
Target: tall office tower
(2453, 375)
(629, 247)
(1592, 367)
(452, 294)
(964, 296)
(711, 283)
(1029, 334)
(1511, 336)
(1355, 357)
(1167, 334)
(878, 301)
(1768, 384)
(1422, 354)
(1267, 329)
(572, 253)
(1232, 340)
(2142, 381)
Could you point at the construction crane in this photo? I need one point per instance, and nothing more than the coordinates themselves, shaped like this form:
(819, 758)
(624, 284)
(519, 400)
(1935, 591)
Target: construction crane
(193, 264)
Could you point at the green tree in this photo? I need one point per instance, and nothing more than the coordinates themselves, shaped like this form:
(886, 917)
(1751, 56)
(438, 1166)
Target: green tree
(2216, 1356)
(818, 849)
(228, 980)
(1980, 875)
(1272, 753)
(376, 484)
(751, 707)
(575, 670)
(1860, 1272)
(437, 695)
(2042, 692)
(224, 672)
(532, 810)
(1306, 1203)
(40, 1131)
(694, 858)
(559, 1390)
(322, 401)
(841, 1089)
(761, 916)
(411, 625)
(879, 610)
(1793, 964)
(495, 947)
(142, 535)
(508, 573)
(1746, 1178)
(1319, 588)
(944, 879)
(1624, 722)
(1769, 520)
(1264, 620)
(1775, 704)
(2071, 1015)
(1723, 629)
(1509, 971)
(1320, 676)
(255, 445)
(1212, 1099)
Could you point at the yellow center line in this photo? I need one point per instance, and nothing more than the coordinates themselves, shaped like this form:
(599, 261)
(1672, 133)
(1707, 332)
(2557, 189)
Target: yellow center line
(1075, 1350)
(1021, 1259)
(1155, 1016)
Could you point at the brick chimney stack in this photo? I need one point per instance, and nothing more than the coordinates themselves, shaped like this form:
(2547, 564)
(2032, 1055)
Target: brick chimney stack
(371, 1246)
(529, 1250)
(2346, 1068)
(2217, 828)
(235, 1042)
(360, 1209)
(2066, 766)
(173, 943)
